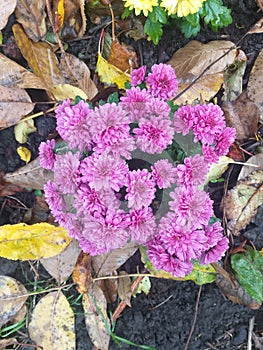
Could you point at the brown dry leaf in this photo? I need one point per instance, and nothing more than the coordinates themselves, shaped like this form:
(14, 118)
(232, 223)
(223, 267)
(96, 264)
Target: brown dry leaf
(7, 342)
(62, 265)
(6, 188)
(52, 323)
(246, 170)
(20, 315)
(31, 14)
(106, 263)
(255, 82)
(82, 273)
(12, 297)
(124, 289)
(109, 287)
(40, 57)
(243, 115)
(14, 105)
(257, 27)
(77, 73)
(12, 75)
(31, 175)
(95, 306)
(241, 203)
(74, 19)
(121, 57)
(6, 9)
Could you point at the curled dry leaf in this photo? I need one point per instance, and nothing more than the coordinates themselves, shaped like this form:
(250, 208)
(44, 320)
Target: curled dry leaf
(241, 203)
(74, 19)
(82, 273)
(255, 81)
(23, 129)
(6, 9)
(109, 287)
(254, 160)
(124, 288)
(14, 105)
(12, 297)
(243, 115)
(52, 323)
(31, 14)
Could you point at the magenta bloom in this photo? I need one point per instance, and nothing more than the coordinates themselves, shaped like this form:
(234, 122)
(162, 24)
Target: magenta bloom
(163, 173)
(153, 135)
(73, 124)
(216, 252)
(140, 189)
(142, 225)
(138, 75)
(157, 108)
(224, 140)
(66, 172)
(103, 171)
(134, 103)
(54, 198)
(162, 81)
(88, 201)
(184, 119)
(192, 172)
(47, 156)
(209, 154)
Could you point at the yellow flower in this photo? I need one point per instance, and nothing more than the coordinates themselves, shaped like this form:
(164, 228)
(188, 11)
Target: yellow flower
(181, 8)
(141, 5)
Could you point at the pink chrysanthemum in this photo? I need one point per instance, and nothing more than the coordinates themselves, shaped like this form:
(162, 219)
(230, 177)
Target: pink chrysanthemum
(209, 154)
(162, 81)
(140, 189)
(157, 108)
(142, 225)
(47, 156)
(54, 198)
(209, 122)
(193, 206)
(184, 119)
(66, 172)
(88, 201)
(154, 135)
(138, 75)
(163, 173)
(73, 124)
(134, 103)
(216, 252)
(192, 172)
(224, 140)
(104, 171)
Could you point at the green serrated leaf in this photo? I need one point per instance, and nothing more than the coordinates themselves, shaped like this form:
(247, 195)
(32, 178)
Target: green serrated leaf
(248, 268)
(153, 30)
(190, 25)
(158, 14)
(215, 15)
(113, 98)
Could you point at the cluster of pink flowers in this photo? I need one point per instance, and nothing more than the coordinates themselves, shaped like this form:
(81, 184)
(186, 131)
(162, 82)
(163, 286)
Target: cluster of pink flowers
(104, 203)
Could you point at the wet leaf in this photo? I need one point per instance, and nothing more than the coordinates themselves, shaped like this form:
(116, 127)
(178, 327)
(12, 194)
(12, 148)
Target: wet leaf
(31, 242)
(31, 175)
(12, 297)
(248, 268)
(52, 323)
(14, 105)
(82, 273)
(6, 9)
(124, 288)
(62, 265)
(23, 129)
(96, 319)
(217, 169)
(63, 91)
(31, 14)
(241, 203)
(255, 82)
(24, 154)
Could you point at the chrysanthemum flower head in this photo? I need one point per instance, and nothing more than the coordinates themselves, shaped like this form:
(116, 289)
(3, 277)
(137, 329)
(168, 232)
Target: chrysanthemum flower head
(141, 5)
(182, 8)
(66, 172)
(47, 155)
(138, 75)
(163, 173)
(142, 225)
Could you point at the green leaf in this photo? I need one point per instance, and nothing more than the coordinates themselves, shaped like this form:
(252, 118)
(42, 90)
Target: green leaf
(248, 268)
(158, 14)
(190, 25)
(153, 30)
(215, 14)
(114, 97)
(200, 275)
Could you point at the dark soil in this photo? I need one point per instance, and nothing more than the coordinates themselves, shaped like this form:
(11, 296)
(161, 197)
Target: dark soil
(163, 318)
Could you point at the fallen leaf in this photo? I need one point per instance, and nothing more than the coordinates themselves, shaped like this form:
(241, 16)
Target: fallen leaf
(12, 297)
(6, 188)
(32, 175)
(217, 169)
(121, 57)
(7, 342)
(20, 315)
(124, 288)
(257, 27)
(14, 105)
(243, 115)
(74, 19)
(64, 91)
(246, 170)
(82, 273)
(6, 9)
(144, 286)
(24, 154)
(254, 86)
(23, 129)
(96, 319)
(62, 265)
(31, 242)
(241, 203)
(58, 10)
(52, 323)
(109, 287)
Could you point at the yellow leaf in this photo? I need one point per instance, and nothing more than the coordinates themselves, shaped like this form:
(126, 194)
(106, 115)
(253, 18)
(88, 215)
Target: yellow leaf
(217, 169)
(63, 91)
(25, 242)
(24, 154)
(52, 323)
(110, 74)
(23, 129)
(60, 14)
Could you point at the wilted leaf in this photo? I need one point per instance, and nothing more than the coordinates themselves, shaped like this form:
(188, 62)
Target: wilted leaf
(62, 265)
(124, 288)
(257, 159)
(30, 242)
(248, 268)
(243, 115)
(121, 57)
(24, 154)
(40, 57)
(104, 264)
(96, 319)
(144, 286)
(52, 323)
(31, 175)
(12, 297)
(241, 203)
(110, 74)
(109, 286)
(14, 105)
(254, 86)
(7, 342)
(217, 169)
(6, 9)
(82, 274)
(23, 129)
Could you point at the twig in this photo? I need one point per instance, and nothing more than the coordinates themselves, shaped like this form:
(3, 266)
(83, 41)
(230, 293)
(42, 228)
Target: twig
(250, 332)
(194, 320)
